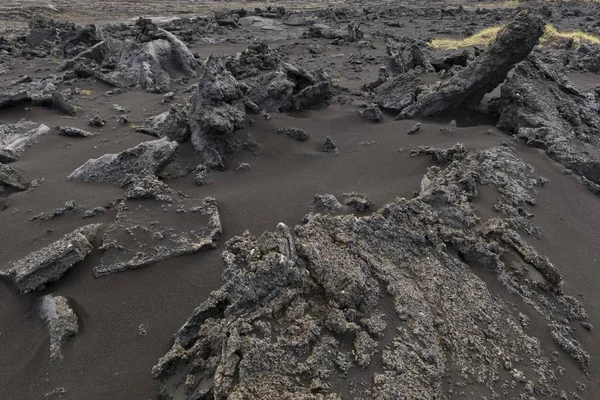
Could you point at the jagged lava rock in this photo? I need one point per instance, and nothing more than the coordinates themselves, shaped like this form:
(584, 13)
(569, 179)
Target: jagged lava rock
(146, 158)
(49, 264)
(61, 320)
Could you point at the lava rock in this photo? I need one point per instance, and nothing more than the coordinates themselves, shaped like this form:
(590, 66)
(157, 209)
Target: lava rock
(61, 320)
(146, 158)
(294, 133)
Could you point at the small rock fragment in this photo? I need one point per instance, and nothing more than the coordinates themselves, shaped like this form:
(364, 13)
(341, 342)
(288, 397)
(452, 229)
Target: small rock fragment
(70, 131)
(242, 167)
(10, 177)
(372, 113)
(294, 133)
(329, 146)
(414, 129)
(358, 201)
(96, 121)
(326, 202)
(61, 321)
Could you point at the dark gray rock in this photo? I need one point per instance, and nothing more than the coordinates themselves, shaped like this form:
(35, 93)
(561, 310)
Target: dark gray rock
(291, 88)
(96, 121)
(294, 133)
(544, 109)
(62, 105)
(370, 296)
(372, 113)
(329, 146)
(358, 201)
(172, 124)
(94, 212)
(146, 158)
(512, 44)
(61, 320)
(70, 131)
(295, 20)
(86, 71)
(242, 167)
(7, 156)
(416, 128)
(9, 99)
(441, 156)
(399, 92)
(151, 63)
(216, 113)
(10, 177)
(250, 62)
(49, 264)
(326, 203)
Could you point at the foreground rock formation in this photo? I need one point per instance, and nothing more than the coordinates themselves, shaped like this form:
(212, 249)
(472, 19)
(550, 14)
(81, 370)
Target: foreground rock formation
(395, 297)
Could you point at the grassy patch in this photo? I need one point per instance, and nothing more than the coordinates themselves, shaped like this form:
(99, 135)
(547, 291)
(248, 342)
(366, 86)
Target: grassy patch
(486, 36)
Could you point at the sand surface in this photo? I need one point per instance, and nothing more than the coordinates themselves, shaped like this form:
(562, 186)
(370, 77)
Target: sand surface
(109, 359)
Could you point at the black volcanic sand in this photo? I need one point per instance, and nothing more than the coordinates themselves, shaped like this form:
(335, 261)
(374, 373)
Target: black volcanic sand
(109, 359)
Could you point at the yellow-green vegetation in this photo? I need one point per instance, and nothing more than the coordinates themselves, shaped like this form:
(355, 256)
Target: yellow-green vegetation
(485, 37)
(481, 38)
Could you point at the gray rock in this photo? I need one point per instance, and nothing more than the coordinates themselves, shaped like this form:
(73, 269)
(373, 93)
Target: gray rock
(242, 167)
(16, 138)
(294, 133)
(295, 20)
(403, 282)
(49, 264)
(216, 113)
(62, 105)
(291, 88)
(10, 177)
(416, 128)
(326, 203)
(70, 131)
(61, 320)
(94, 212)
(7, 156)
(399, 92)
(151, 63)
(358, 201)
(145, 158)
(139, 239)
(329, 146)
(372, 113)
(441, 156)
(96, 121)
(512, 44)
(172, 124)
(8, 99)
(86, 71)
(544, 109)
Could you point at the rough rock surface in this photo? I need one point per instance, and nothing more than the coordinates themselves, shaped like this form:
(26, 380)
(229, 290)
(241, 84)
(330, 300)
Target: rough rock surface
(172, 124)
(70, 131)
(544, 109)
(139, 239)
(294, 133)
(153, 57)
(216, 113)
(250, 62)
(291, 88)
(329, 146)
(300, 310)
(372, 113)
(399, 92)
(358, 201)
(49, 264)
(326, 203)
(512, 44)
(15, 138)
(61, 320)
(10, 177)
(146, 158)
